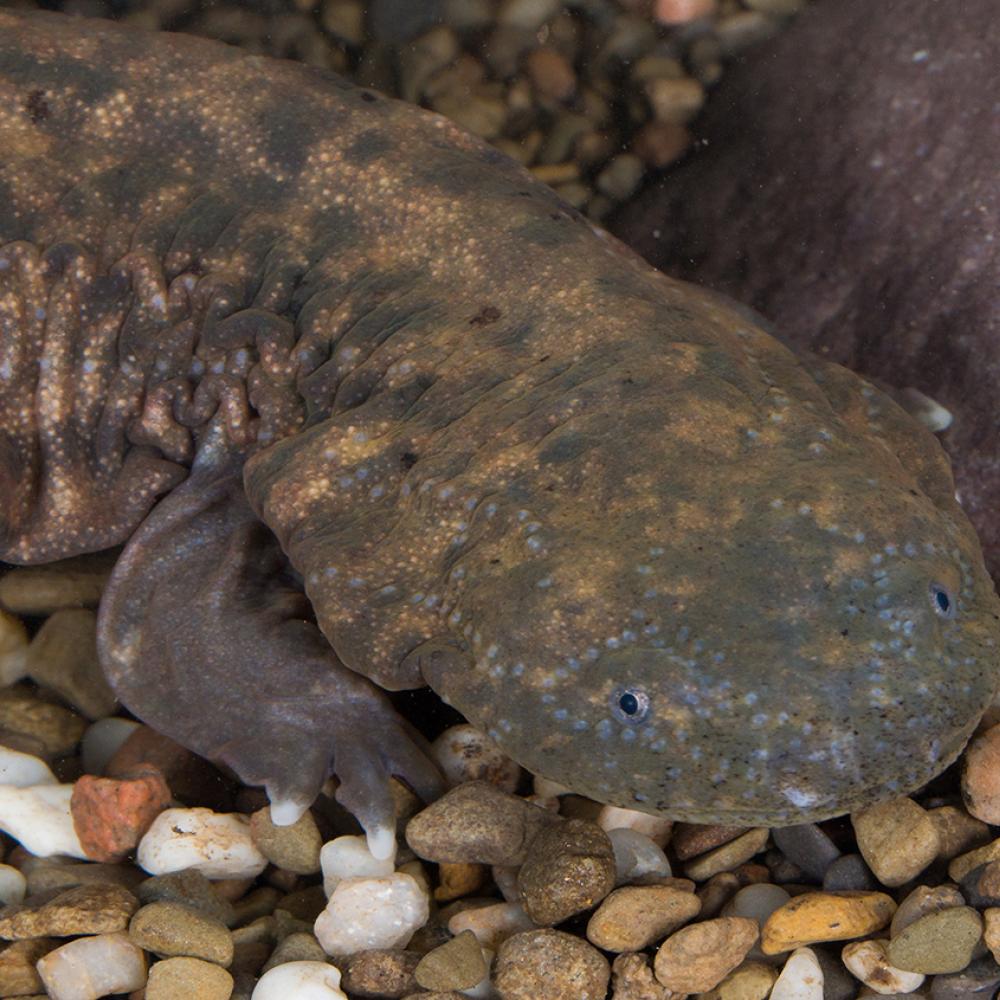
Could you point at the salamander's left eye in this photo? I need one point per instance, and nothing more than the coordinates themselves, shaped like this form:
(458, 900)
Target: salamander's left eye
(944, 604)
(630, 704)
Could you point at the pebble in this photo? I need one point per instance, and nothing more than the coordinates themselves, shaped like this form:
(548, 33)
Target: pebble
(299, 946)
(477, 823)
(546, 964)
(18, 975)
(61, 873)
(682, 11)
(110, 815)
(185, 978)
(69, 583)
(92, 967)
(492, 924)
(634, 917)
(657, 828)
(218, 845)
(981, 775)
(961, 865)
(801, 978)
(978, 980)
(658, 144)
(674, 100)
(869, 962)
(716, 892)
(294, 848)
(102, 740)
(13, 886)
(13, 649)
(528, 15)
(569, 867)
(749, 981)
(349, 857)
(942, 941)
(22, 770)
(39, 818)
(897, 839)
(173, 929)
(621, 178)
(697, 958)
(63, 658)
(825, 916)
(922, 900)
(51, 730)
(991, 930)
(958, 831)
(301, 980)
(457, 880)
(191, 888)
(637, 857)
(727, 856)
(87, 909)
(365, 913)
(807, 846)
(381, 972)
(457, 964)
(465, 753)
(849, 872)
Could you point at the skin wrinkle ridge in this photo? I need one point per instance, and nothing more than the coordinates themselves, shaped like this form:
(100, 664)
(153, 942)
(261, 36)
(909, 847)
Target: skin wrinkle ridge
(654, 554)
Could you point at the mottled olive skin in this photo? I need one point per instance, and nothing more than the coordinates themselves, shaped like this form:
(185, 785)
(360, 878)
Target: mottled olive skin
(605, 514)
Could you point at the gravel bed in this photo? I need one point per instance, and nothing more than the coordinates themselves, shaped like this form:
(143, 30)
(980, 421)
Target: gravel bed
(131, 867)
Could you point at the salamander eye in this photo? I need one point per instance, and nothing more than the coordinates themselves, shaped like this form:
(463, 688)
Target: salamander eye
(944, 604)
(630, 705)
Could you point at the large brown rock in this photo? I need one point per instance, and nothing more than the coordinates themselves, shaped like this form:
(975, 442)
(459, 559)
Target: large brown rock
(847, 188)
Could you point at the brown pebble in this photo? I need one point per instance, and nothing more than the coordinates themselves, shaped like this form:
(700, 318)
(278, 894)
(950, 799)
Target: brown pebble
(171, 929)
(749, 981)
(960, 866)
(69, 583)
(549, 965)
(100, 908)
(981, 775)
(551, 74)
(457, 880)
(729, 856)
(48, 730)
(381, 972)
(18, 975)
(476, 823)
(938, 942)
(190, 888)
(658, 144)
(186, 978)
(635, 916)
(922, 900)
(110, 815)
(958, 831)
(691, 839)
(300, 946)
(294, 848)
(699, 957)
(991, 931)
(457, 964)
(45, 875)
(675, 100)
(814, 917)
(716, 892)
(568, 869)
(897, 839)
(632, 979)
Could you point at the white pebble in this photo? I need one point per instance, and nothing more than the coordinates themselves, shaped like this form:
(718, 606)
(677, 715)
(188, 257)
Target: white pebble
(102, 741)
(465, 753)
(39, 818)
(24, 769)
(491, 924)
(349, 857)
(655, 827)
(216, 844)
(92, 967)
(546, 789)
(366, 913)
(636, 855)
(800, 979)
(13, 885)
(299, 981)
(869, 962)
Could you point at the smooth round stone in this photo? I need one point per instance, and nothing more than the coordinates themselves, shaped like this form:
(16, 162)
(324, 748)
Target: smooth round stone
(492, 924)
(293, 848)
(23, 770)
(191, 888)
(188, 979)
(547, 964)
(635, 916)
(959, 832)
(937, 942)
(465, 753)
(729, 856)
(697, 958)
(656, 828)
(172, 929)
(923, 900)
(800, 979)
(757, 902)
(636, 856)
(849, 873)
(869, 962)
(457, 964)
(218, 845)
(13, 649)
(301, 980)
(365, 913)
(349, 857)
(978, 981)
(808, 847)
(92, 967)
(981, 775)
(749, 981)
(961, 865)
(897, 839)
(13, 885)
(39, 818)
(102, 741)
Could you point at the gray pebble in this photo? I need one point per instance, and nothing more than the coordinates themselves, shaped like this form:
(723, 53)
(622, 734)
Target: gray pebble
(849, 872)
(808, 847)
(979, 979)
